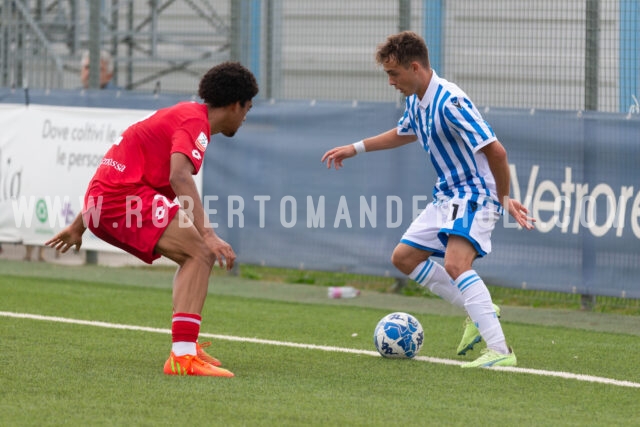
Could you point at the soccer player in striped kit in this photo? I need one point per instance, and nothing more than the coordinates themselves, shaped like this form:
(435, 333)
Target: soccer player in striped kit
(130, 202)
(469, 196)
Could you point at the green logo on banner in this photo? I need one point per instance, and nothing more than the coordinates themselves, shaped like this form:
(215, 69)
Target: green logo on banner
(41, 211)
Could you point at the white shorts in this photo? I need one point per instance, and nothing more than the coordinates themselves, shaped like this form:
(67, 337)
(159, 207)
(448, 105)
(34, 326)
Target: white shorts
(430, 231)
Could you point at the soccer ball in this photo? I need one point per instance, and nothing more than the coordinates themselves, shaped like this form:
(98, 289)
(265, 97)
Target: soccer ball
(398, 336)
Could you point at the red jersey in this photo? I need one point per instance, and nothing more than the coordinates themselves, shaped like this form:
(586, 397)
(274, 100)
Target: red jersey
(142, 155)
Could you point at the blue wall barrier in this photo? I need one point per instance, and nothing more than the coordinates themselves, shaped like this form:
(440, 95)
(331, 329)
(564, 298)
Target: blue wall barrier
(278, 205)
(576, 172)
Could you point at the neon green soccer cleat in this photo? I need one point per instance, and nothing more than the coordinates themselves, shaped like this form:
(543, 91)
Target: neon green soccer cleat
(471, 335)
(491, 358)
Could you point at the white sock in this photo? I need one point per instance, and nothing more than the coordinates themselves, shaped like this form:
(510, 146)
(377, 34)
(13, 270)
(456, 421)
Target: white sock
(181, 348)
(477, 302)
(433, 276)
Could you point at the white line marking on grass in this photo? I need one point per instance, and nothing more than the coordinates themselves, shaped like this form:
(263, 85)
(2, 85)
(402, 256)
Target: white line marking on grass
(565, 375)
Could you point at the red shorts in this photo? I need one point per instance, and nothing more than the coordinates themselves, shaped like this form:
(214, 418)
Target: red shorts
(132, 219)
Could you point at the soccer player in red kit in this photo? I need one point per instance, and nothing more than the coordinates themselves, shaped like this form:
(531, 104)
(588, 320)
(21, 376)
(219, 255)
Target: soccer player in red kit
(131, 202)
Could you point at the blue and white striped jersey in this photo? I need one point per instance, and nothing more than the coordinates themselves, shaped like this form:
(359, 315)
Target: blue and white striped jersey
(452, 131)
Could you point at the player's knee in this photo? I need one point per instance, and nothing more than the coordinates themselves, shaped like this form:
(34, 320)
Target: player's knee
(402, 261)
(206, 257)
(198, 252)
(454, 269)
(396, 259)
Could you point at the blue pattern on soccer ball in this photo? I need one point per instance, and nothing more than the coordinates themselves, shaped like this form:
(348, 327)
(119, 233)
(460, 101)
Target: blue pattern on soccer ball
(398, 335)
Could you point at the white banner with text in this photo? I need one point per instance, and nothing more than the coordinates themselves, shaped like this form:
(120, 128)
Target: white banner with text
(48, 155)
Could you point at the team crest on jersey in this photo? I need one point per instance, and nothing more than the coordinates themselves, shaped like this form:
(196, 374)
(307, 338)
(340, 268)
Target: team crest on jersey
(455, 101)
(202, 141)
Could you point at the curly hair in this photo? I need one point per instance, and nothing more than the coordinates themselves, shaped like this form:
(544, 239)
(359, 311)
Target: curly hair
(404, 48)
(226, 84)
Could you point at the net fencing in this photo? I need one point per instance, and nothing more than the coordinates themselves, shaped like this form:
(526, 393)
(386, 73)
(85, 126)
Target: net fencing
(542, 54)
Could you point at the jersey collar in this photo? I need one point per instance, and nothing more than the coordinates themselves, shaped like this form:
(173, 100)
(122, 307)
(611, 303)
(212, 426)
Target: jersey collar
(431, 91)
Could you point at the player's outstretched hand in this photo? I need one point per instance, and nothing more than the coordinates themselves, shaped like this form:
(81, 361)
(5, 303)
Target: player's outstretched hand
(222, 250)
(69, 237)
(336, 155)
(520, 214)
(66, 239)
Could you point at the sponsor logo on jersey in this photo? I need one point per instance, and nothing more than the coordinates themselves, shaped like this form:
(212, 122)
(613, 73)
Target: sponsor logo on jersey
(114, 164)
(202, 141)
(196, 154)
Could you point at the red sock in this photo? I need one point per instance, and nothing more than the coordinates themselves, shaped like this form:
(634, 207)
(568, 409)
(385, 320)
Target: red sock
(185, 328)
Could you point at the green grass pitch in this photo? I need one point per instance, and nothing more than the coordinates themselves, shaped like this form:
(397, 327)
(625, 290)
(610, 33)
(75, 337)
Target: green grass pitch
(56, 374)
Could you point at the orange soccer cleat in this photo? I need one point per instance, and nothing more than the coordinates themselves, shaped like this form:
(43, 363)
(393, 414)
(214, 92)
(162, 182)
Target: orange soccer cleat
(206, 356)
(193, 365)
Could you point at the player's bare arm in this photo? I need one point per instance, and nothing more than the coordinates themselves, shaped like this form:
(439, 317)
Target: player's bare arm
(181, 180)
(499, 165)
(384, 141)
